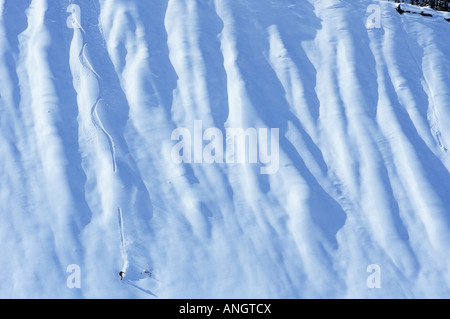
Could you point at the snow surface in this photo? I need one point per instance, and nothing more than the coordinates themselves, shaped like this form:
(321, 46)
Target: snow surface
(86, 176)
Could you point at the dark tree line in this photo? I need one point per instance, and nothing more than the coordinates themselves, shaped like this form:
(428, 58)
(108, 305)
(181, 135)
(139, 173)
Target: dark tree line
(442, 5)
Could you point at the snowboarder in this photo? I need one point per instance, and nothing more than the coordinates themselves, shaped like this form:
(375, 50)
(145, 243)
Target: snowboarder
(121, 274)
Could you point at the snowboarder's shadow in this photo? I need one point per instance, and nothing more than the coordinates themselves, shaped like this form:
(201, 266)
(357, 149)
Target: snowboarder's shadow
(141, 289)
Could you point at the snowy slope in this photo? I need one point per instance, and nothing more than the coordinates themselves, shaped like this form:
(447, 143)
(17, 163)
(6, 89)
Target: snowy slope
(87, 109)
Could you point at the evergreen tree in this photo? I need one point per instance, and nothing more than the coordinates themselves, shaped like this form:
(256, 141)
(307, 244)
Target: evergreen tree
(442, 5)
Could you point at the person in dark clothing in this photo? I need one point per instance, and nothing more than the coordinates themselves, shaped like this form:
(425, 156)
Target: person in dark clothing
(121, 274)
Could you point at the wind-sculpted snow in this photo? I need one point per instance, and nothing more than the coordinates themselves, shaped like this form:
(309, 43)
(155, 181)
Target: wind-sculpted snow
(91, 92)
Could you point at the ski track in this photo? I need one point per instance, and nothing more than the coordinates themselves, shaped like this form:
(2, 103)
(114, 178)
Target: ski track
(86, 116)
(98, 123)
(122, 241)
